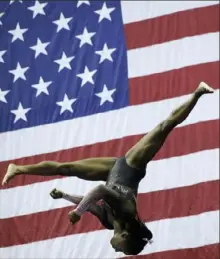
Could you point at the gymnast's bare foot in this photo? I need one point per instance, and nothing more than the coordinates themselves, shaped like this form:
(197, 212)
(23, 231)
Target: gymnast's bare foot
(11, 173)
(203, 88)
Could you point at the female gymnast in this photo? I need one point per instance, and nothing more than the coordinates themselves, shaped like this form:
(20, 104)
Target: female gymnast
(138, 234)
(122, 176)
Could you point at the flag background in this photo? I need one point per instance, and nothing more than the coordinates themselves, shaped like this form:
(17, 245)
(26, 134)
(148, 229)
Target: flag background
(163, 50)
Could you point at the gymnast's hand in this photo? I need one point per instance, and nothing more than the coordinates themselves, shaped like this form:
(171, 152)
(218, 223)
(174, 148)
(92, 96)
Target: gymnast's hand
(56, 194)
(73, 217)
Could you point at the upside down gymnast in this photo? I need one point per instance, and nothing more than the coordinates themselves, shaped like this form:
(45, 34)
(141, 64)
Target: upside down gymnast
(118, 210)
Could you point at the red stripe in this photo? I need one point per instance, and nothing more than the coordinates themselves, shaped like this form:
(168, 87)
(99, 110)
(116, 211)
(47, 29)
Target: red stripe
(173, 83)
(172, 27)
(204, 252)
(179, 202)
(173, 147)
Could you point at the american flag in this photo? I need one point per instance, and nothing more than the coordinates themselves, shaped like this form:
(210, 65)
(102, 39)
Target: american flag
(83, 79)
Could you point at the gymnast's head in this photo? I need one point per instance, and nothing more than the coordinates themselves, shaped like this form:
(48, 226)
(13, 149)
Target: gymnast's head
(127, 243)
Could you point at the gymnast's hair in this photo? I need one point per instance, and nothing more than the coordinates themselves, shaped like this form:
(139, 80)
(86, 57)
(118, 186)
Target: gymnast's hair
(135, 245)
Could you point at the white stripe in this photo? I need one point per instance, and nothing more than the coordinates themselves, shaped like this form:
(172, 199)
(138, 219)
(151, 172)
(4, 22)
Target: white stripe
(173, 55)
(181, 171)
(143, 10)
(164, 174)
(105, 126)
(169, 234)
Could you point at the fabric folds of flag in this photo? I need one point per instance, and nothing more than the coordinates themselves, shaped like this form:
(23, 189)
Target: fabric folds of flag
(88, 79)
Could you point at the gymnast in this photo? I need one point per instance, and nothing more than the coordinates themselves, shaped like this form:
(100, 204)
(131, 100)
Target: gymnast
(138, 233)
(122, 176)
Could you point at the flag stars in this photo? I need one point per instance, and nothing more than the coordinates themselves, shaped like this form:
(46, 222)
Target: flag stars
(86, 76)
(37, 8)
(40, 48)
(2, 95)
(104, 12)
(18, 33)
(12, 1)
(105, 95)
(105, 53)
(19, 72)
(1, 14)
(66, 104)
(85, 37)
(20, 113)
(42, 87)
(64, 62)
(2, 52)
(80, 2)
(62, 23)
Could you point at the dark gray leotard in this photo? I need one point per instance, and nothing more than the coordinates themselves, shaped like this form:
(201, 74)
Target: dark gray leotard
(125, 178)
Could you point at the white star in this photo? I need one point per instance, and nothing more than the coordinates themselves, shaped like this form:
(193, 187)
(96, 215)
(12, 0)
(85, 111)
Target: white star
(80, 2)
(105, 95)
(104, 13)
(19, 72)
(62, 23)
(37, 8)
(64, 62)
(85, 37)
(40, 48)
(20, 113)
(2, 52)
(1, 14)
(66, 104)
(42, 87)
(12, 1)
(105, 53)
(18, 33)
(2, 95)
(87, 76)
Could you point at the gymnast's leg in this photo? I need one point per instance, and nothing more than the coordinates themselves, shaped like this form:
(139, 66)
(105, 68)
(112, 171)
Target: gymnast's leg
(92, 169)
(143, 152)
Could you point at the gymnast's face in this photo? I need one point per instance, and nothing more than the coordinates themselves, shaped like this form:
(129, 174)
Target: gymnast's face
(127, 243)
(119, 242)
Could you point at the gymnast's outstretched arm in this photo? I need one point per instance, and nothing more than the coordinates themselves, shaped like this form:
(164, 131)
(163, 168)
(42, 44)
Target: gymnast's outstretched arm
(96, 194)
(91, 169)
(104, 214)
(102, 192)
(75, 199)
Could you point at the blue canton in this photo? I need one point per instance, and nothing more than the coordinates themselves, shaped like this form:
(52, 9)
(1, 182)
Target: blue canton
(60, 61)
